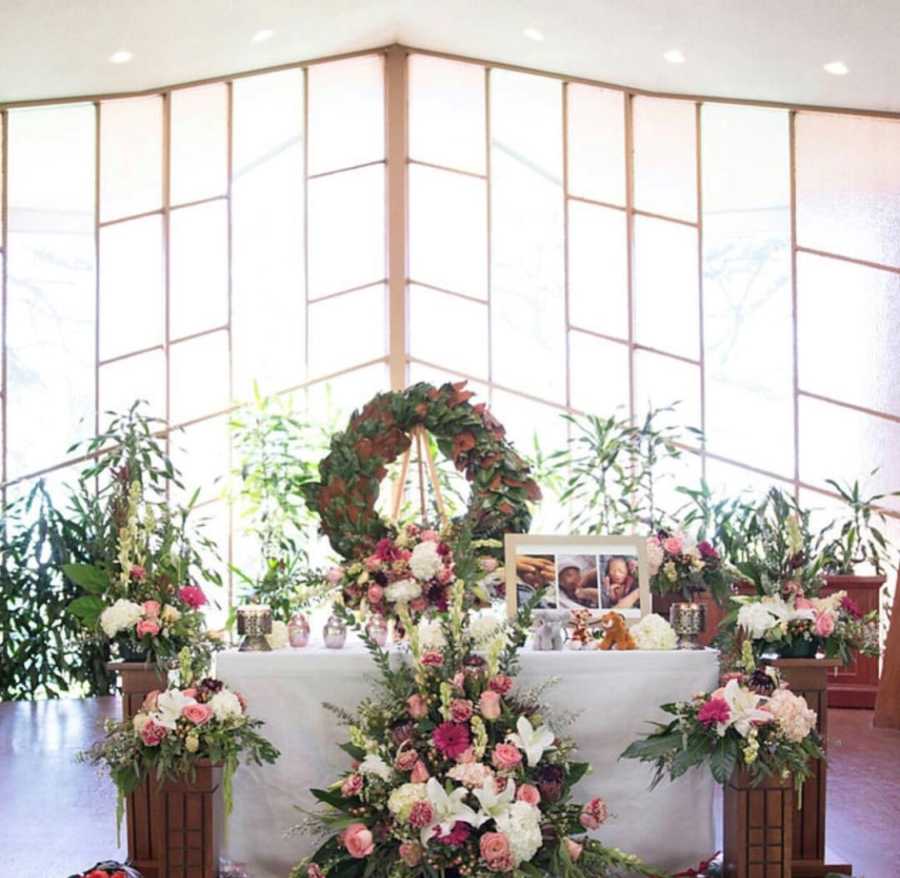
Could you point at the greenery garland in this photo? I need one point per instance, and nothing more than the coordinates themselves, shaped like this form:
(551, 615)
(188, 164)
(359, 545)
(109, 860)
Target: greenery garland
(350, 476)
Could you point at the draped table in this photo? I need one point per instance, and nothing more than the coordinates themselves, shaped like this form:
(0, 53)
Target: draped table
(614, 694)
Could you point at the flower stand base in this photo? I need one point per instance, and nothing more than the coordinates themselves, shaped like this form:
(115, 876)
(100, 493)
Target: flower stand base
(758, 826)
(142, 806)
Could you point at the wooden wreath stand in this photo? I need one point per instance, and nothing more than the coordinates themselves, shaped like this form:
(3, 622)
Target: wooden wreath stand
(423, 457)
(809, 678)
(174, 827)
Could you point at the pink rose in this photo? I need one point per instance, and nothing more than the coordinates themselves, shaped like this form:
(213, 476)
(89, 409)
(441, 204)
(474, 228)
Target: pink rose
(147, 626)
(151, 609)
(461, 710)
(489, 565)
(500, 684)
(375, 594)
(506, 757)
(593, 814)
(574, 849)
(137, 572)
(489, 704)
(421, 814)
(824, 624)
(411, 854)
(419, 773)
(406, 760)
(152, 733)
(314, 871)
(673, 545)
(334, 575)
(150, 701)
(495, 851)
(352, 785)
(373, 562)
(358, 840)
(417, 706)
(528, 794)
(467, 757)
(432, 659)
(429, 536)
(198, 714)
(192, 595)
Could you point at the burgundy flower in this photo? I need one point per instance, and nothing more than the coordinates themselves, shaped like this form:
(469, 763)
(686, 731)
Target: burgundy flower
(386, 550)
(850, 606)
(402, 733)
(550, 782)
(457, 836)
(501, 684)
(432, 659)
(452, 739)
(706, 550)
(716, 710)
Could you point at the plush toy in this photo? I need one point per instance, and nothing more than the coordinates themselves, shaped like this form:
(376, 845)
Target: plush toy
(615, 633)
(581, 635)
(548, 629)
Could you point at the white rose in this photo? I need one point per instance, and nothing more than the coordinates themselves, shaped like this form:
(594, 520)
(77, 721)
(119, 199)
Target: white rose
(404, 591)
(521, 824)
(755, 619)
(425, 562)
(225, 705)
(121, 615)
(278, 639)
(654, 632)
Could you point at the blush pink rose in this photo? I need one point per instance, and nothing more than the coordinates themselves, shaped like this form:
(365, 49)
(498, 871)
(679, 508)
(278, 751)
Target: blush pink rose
(673, 545)
(198, 714)
(506, 757)
(824, 624)
(467, 757)
(147, 626)
(150, 701)
(411, 854)
(429, 536)
(375, 594)
(406, 760)
(151, 609)
(358, 840)
(334, 575)
(419, 773)
(417, 706)
(529, 794)
(574, 849)
(152, 733)
(489, 704)
(494, 848)
(352, 785)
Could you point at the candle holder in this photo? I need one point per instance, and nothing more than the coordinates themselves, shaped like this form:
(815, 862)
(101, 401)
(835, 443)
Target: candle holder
(254, 622)
(335, 632)
(298, 631)
(689, 622)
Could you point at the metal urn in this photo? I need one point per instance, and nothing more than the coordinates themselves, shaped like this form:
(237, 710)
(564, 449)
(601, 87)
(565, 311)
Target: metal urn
(254, 622)
(335, 632)
(688, 619)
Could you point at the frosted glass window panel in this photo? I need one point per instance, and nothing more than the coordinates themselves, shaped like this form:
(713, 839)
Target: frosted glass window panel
(661, 382)
(670, 475)
(131, 287)
(347, 330)
(446, 113)
(599, 375)
(199, 377)
(131, 156)
(199, 150)
(527, 293)
(448, 330)
(346, 231)
(448, 230)
(140, 377)
(213, 521)
(596, 118)
(51, 283)
(200, 451)
(848, 316)
(835, 441)
(728, 480)
(2, 181)
(598, 269)
(331, 402)
(267, 234)
(665, 157)
(346, 113)
(747, 286)
(437, 377)
(198, 288)
(848, 185)
(667, 300)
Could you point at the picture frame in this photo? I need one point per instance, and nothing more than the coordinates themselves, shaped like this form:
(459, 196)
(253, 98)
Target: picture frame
(597, 573)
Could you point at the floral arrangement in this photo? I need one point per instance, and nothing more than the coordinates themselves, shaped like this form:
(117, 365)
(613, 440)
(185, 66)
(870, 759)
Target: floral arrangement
(796, 626)
(455, 770)
(752, 723)
(108, 869)
(174, 730)
(143, 598)
(678, 563)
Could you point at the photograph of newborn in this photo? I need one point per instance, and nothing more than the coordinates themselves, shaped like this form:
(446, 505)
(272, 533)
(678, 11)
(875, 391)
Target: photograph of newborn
(619, 585)
(534, 572)
(577, 582)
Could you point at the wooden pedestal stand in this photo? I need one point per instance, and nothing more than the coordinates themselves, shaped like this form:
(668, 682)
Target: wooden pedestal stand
(809, 678)
(887, 707)
(758, 828)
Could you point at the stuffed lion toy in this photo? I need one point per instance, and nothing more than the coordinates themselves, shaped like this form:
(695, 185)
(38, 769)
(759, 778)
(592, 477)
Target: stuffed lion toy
(615, 632)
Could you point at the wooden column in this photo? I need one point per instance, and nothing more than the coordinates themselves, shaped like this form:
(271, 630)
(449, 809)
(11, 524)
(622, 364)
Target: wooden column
(809, 678)
(142, 808)
(887, 705)
(758, 828)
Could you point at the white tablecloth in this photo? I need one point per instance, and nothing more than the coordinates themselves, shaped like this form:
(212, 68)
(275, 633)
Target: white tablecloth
(616, 692)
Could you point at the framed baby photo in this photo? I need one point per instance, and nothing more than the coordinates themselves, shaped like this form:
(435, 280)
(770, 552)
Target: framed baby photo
(596, 573)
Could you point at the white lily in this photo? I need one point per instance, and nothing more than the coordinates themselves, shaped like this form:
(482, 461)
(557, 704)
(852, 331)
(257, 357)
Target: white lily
(744, 709)
(531, 741)
(448, 809)
(374, 764)
(169, 706)
(494, 804)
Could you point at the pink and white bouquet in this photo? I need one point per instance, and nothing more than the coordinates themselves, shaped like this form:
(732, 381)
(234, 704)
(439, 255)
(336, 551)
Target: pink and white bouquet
(456, 771)
(752, 723)
(677, 563)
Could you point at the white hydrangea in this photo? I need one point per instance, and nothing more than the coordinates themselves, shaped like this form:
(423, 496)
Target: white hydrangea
(403, 591)
(278, 639)
(404, 797)
(120, 616)
(756, 619)
(431, 635)
(425, 562)
(654, 632)
(521, 824)
(226, 705)
(485, 627)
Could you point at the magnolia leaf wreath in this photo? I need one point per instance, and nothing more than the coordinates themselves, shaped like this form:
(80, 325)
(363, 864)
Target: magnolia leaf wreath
(350, 476)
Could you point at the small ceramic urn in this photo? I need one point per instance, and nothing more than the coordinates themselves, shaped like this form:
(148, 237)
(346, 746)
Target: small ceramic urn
(298, 631)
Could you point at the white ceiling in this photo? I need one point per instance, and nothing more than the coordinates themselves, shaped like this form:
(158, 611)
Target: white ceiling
(759, 49)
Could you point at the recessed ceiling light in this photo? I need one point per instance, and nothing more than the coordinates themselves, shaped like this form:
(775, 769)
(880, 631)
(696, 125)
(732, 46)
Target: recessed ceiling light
(533, 34)
(837, 68)
(674, 56)
(262, 35)
(123, 56)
